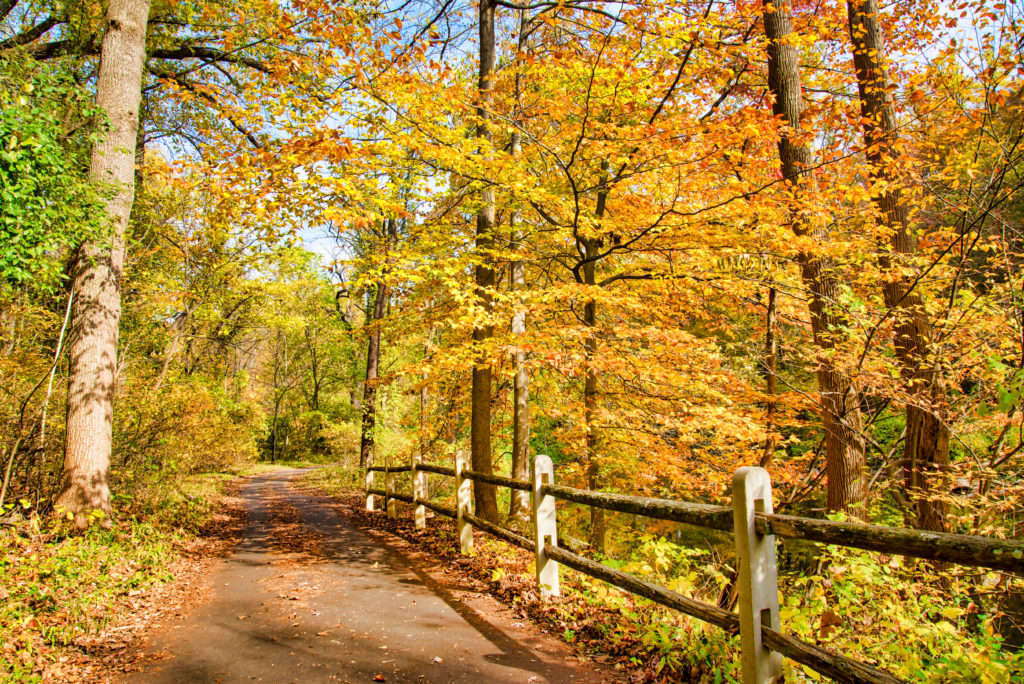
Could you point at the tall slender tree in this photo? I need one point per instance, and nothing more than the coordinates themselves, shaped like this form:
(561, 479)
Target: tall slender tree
(839, 407)
(480, 423)
(519, 502)
(926, 446)
(374, 316)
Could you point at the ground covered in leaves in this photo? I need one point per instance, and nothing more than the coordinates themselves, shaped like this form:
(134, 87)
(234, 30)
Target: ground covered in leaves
(75, 608)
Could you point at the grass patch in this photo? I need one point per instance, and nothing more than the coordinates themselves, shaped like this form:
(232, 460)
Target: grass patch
(264, 467)
(334, 479)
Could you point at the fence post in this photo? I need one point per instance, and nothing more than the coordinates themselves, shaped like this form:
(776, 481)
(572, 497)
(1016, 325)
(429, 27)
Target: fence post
(369, 485)
(390, 505)
(465, 501)
(544, 526)
(419, 492)
(758, 583)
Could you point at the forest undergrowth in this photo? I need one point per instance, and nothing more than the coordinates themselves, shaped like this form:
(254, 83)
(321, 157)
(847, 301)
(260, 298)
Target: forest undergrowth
(74, 606)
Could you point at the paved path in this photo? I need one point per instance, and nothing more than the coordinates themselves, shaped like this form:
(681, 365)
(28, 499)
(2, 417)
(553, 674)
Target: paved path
(346, 609)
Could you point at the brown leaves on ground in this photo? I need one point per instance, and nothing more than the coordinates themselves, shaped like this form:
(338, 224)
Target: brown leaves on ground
(297, 542)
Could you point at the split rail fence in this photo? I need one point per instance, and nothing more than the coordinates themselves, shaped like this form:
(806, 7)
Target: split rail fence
(750, 520)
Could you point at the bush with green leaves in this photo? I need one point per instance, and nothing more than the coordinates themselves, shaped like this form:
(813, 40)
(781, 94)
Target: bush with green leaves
(48, 124)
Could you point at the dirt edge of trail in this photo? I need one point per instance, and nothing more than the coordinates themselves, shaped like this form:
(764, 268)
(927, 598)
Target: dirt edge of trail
(124, 644)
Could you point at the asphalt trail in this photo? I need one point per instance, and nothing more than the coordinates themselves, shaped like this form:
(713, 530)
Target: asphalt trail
(340, 608)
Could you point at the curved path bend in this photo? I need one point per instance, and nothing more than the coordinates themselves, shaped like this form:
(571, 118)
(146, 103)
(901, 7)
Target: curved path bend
(307, 597)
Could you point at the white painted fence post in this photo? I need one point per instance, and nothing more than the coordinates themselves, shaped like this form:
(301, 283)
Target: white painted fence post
(389, 486)
(369, 486)
(758, 583)
(419, 492)
(465, 502)
(544, 526)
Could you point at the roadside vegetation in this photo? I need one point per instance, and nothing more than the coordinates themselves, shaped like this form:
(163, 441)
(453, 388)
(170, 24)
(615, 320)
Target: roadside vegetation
(61, 595)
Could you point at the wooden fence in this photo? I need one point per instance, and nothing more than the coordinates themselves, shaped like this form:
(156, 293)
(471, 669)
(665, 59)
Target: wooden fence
(754, 527)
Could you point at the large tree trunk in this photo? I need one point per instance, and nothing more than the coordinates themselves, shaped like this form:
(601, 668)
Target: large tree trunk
(369, 417)
(519, 502)
(840, 409)
(926, 449)
(484, 495)
(97, 273)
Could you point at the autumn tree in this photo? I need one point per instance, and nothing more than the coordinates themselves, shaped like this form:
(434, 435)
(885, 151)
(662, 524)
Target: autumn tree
(926, 445)
(839, 407)
(483, 274)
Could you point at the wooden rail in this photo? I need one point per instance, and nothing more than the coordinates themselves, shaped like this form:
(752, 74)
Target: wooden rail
(499, 480)
(754, 527)
(502, 533)
(438, 508)
(407, 498)
(728, 621)
(704, 515)
(838, 667)
(944, 547)
(440, 470)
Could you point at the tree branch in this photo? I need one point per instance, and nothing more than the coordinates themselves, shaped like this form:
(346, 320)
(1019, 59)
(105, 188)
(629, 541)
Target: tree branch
(31, 34)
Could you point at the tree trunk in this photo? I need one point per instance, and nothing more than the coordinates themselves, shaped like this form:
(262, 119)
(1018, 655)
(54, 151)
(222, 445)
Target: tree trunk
(97, 272)
(484, 495)
(369, 418)
(840, 409)
(926, 449)
(592, 467)
(519, 502)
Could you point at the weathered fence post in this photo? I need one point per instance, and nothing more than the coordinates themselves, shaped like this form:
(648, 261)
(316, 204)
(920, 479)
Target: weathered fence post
(369, 486)
(419, 492)
(390, 505)
(465, 501)
(759, 588)
(544, 526)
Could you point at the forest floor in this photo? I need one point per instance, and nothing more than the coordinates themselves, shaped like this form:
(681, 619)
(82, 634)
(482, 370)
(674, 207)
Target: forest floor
(310, 594)
(77, 608)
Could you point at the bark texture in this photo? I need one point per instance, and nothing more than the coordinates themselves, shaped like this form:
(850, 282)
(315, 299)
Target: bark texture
(926, 449)
(519, 503)
(840, 409)
(96, 285)
(484, 495)
(771, 368)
